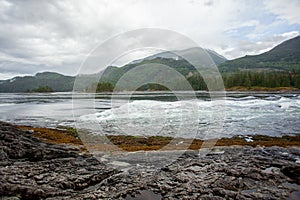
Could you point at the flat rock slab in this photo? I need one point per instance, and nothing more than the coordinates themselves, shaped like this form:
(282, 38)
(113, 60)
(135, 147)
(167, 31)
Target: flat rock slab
(32, 169)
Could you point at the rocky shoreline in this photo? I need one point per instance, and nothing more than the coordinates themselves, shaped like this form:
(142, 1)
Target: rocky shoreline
(34, 169)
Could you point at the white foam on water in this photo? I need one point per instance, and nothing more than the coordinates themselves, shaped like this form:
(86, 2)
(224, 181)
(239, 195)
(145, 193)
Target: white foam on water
(249, 115)
(145, 117)
(269, 114)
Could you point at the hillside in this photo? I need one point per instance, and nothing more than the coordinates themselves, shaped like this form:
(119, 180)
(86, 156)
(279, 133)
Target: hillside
(282, 64)
(167, 58)
(285, 56)
(57, 82)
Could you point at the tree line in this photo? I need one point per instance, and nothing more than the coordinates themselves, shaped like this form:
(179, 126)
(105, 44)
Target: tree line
(100, 87)
(245, 79)
(41, 89)
(262, 79)
(250, 79)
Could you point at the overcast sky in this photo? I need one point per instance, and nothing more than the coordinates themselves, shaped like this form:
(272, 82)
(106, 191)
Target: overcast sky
(39, 35)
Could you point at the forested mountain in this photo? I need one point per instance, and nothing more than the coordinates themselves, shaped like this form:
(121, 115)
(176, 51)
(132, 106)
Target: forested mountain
(167, 58)
(285, 56)
(279, 67)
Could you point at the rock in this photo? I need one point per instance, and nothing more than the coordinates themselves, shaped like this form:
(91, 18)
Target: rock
(271, 170)
(32, 169)
(144, 194)
(10, 198)
(293, 172)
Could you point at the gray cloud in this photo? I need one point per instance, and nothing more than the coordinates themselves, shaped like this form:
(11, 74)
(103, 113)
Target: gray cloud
(58, 35)
(247, 47)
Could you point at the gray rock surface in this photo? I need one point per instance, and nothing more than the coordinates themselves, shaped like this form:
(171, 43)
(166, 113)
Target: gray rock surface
(31, 169)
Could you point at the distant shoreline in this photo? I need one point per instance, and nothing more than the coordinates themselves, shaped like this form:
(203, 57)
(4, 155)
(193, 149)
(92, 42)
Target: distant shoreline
(232, 89)
(262, 89)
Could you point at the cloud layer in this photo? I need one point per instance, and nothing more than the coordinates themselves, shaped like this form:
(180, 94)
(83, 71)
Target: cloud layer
(58, 35)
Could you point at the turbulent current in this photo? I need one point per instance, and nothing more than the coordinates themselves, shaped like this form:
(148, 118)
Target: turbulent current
(159, 113)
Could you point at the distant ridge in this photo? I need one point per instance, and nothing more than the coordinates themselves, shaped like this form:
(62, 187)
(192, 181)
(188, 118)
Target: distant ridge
(192, 52)
(56, 81)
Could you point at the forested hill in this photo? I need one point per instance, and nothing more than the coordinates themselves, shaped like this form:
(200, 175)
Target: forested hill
(196, 54)
(167, 58)
(50, 80)
(285, 56)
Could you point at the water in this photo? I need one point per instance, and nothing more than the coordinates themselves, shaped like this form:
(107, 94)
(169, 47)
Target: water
(159, 113)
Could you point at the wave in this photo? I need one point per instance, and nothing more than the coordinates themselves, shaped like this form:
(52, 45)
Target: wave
(240, 113)
(149, 117)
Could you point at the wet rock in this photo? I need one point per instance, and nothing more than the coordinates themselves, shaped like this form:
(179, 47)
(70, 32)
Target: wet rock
(31, 169)
(271, 170)
(144, 194)
(292, 171)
